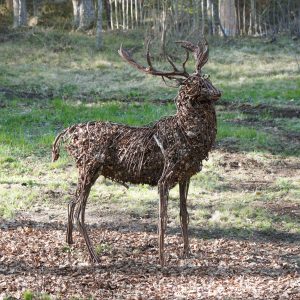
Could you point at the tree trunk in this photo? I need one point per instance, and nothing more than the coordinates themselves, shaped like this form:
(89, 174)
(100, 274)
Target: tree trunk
(204, 15)
(259, 29)
(238, 13)
(108, 13)
(127, 14)
(123, 15)
(116, 13)
(209, 17)
(136, 12)
(253, 25)
(20, 13)
(164, 29)
(99, 38)
(195, 15)
(87, 14)
(111, 14)
(288, 21)
(83, 14)
(9, 4)
(141, 12)
(216, 18)
(176, 15)
(76, 14)
(244, 17)
(131, 13)
(16, 13)
(228, 16)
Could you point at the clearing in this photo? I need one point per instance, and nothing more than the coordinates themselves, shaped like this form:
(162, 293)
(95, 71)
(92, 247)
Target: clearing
(244, 206)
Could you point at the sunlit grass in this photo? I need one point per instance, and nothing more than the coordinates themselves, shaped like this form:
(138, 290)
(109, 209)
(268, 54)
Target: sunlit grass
(46, 61)
(68, 68)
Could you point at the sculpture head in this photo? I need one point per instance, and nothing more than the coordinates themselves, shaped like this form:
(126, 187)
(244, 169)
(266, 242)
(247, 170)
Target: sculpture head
(196, 86)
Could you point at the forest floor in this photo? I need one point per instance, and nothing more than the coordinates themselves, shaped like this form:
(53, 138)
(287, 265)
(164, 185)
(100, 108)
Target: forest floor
(244, 205)
(229, 260)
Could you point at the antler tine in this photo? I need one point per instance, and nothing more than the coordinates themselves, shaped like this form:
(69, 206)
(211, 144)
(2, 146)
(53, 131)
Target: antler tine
(186, 59)
(150, 62)
(126, 56)
(174, 75)
(179, 81)
(188, 46)
(172, 63)
(200, 52)
(203, 54)
(148, 56)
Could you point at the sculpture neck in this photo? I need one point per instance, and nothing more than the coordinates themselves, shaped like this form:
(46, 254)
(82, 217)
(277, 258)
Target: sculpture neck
(192, 109)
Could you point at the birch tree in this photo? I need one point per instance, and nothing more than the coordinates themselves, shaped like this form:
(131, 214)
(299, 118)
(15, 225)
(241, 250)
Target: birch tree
(99, 37)
(20, 13)
(9, 4)
(83, 14)
(228, 16)
(116, 14)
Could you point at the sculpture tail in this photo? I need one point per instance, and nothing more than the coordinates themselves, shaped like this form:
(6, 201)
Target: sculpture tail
(56, 146)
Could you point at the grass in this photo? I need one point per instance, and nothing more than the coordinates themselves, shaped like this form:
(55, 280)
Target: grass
(69, 78)
(62, 64)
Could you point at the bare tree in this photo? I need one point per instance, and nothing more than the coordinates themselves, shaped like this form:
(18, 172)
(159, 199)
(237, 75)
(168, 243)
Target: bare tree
(203, 15)
(164, 28)
(9, 4)
(83, 14)
(116, 14)
(99, 37)
(210, 16)
(108, 13)
(127, 14)
(123, 15)
(136, 12)
(253, 24)
(228, 16)
(20, 13)
(111, 14)
(214, 17)
(131, 14)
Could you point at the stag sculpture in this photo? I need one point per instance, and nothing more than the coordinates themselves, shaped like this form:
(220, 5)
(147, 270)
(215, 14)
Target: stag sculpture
(162, 154)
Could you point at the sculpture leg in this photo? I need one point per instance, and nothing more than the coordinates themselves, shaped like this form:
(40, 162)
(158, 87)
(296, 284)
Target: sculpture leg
(162, 223)
(71, 208)
(80, 216)
(184, 216)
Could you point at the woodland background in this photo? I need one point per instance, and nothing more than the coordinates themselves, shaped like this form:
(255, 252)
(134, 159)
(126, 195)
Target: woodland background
(59, 66)
(163, 19)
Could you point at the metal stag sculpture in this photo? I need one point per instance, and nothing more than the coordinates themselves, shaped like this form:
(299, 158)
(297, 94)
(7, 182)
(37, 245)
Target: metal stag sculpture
(165, 153)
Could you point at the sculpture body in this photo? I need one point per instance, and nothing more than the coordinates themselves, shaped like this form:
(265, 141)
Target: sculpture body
(165, 153)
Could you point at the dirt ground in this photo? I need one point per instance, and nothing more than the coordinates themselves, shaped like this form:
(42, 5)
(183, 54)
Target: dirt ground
(35, 257)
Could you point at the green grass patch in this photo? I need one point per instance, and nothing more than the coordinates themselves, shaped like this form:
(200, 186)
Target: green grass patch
(29, 127)
(64, 64)
(68, 81)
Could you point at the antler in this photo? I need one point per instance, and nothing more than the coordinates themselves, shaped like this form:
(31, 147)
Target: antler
(200, 52)
(174, 75)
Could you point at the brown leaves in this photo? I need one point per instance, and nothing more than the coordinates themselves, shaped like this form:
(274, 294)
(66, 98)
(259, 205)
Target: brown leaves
(35, 257)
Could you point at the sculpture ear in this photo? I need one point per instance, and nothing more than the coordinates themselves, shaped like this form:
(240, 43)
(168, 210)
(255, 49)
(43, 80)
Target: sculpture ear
(200, 52)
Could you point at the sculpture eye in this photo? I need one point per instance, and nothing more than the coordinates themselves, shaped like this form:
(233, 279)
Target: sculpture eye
(206, 76)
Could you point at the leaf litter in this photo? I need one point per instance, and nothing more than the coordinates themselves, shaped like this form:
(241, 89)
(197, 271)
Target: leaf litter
(35, 257)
